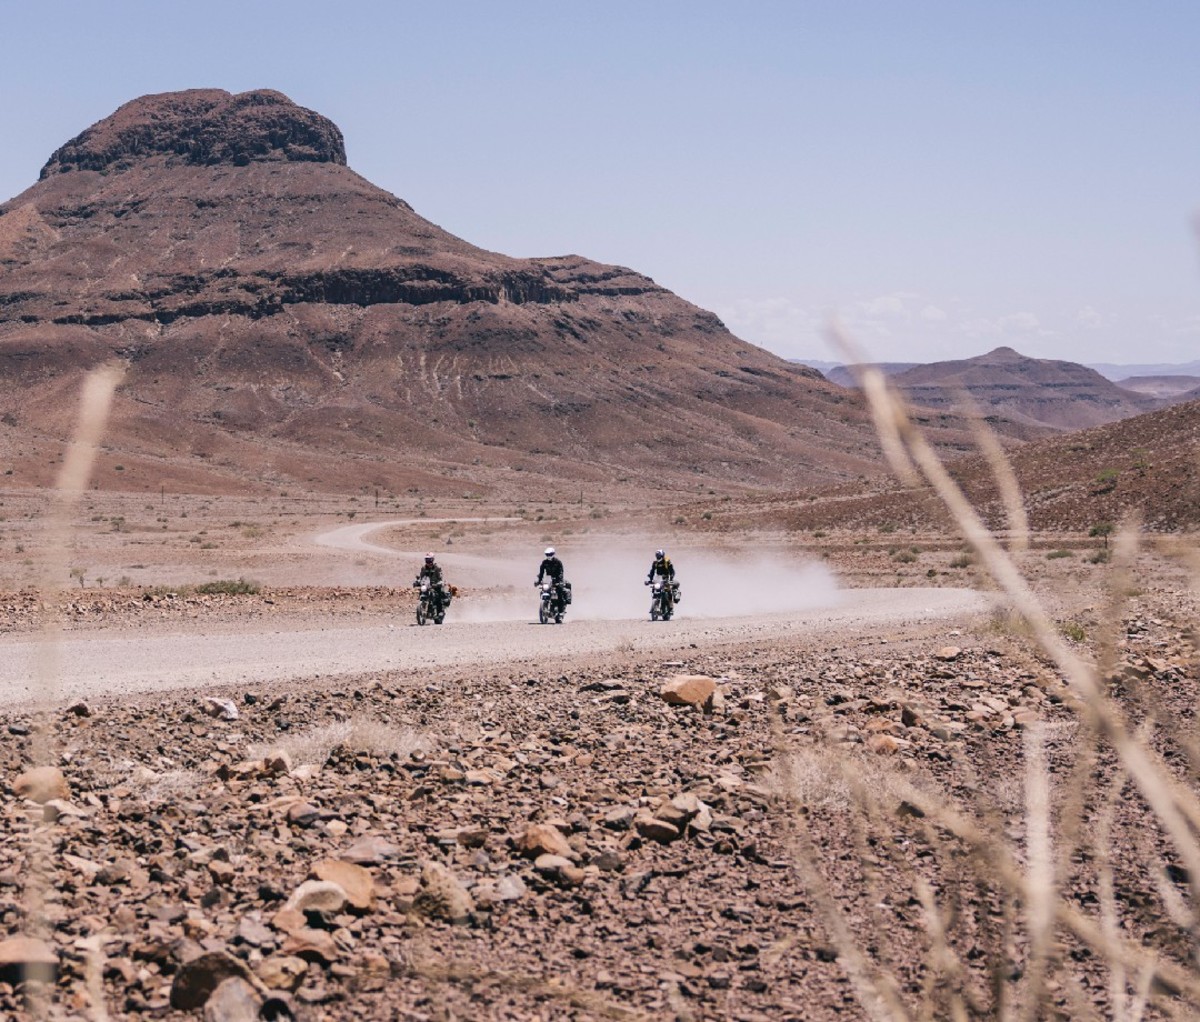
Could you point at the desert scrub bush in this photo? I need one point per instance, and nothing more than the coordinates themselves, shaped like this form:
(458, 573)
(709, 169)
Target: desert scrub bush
(229, 587)
(1073, 630)
(1057, 555)
(357, 734)
(1101, 556)
(904, 556)
(1105, 482)
(962, 561)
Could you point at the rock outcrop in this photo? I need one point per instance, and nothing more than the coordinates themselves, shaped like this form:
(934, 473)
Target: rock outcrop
(203, 127)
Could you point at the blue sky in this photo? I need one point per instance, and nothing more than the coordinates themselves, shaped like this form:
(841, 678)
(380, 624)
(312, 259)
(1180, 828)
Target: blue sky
(945, 177)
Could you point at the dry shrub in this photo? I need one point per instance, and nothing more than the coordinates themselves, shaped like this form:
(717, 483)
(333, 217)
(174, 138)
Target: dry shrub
(357, 734)
(1075, 893)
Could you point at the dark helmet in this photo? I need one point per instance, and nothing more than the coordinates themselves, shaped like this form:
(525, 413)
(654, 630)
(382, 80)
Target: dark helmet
(659, 555)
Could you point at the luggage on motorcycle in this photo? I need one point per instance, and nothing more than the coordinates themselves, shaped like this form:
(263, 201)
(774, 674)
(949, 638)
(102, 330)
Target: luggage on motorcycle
(566, 587)
(676, 594)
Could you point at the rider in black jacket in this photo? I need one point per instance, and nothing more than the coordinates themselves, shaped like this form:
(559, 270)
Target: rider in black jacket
(663, 566)
(551, 566)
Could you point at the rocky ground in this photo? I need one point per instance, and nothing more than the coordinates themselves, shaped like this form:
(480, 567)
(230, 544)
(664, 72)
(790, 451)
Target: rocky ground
(574, 837)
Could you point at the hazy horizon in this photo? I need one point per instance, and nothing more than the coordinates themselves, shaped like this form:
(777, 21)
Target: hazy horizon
(945, 180)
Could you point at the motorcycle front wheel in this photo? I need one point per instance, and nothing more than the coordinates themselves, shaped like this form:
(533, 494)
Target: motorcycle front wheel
(543, 617)
(420, 615)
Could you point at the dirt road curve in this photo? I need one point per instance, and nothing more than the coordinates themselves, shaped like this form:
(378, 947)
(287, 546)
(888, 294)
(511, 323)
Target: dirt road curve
(114, 662)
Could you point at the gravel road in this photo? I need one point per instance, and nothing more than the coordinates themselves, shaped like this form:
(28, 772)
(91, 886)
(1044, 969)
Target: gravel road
(112, 662)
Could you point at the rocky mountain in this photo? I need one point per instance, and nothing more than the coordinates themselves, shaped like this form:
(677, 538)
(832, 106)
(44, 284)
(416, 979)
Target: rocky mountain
(285, 322)
(1036, 391)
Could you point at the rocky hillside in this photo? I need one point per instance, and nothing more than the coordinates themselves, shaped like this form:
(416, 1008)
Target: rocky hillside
(1148, 465)
(284, 322)
(1038, 391)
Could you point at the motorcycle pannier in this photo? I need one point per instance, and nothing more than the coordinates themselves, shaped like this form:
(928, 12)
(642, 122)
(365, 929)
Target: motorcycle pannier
(567, 593)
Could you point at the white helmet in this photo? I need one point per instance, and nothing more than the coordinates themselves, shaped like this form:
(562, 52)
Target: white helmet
(549, 551)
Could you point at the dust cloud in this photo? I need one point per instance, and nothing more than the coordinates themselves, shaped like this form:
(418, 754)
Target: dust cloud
(607, 582)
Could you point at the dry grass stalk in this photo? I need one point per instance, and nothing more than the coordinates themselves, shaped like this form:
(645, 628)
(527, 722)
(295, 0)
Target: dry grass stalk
(1176, 808)
(1039, 883)
(1002, 473)
(95, 403)
(1032, 909)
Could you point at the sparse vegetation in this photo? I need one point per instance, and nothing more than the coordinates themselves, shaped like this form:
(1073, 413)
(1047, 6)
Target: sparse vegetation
(229, 587)
(1059, 554)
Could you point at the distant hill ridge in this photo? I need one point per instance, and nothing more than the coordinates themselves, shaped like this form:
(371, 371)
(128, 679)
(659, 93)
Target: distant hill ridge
(1039, 392)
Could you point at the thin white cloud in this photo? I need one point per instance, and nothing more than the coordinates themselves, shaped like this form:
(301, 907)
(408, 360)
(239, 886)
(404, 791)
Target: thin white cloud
(932, 314)
(1089, 318)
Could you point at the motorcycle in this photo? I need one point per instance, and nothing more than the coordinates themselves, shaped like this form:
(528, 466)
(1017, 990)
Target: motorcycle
(555, 598)
(663, 597)
(432, 601)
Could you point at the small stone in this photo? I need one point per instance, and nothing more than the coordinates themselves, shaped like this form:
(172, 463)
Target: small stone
(442, 896)
(277, 762)
(56, 808)
(356, 882)
(322, 896)
(80, 709)
(289, 920)
(41, 784)
(883, 745)
(510, 888)
(234, 1000)
(281, 972)
(909, 716)
(303, 814)
(222, 709)
(253, 931)
(948, 653)
(544, 839)
(369, 851)
(222, 873)
(688, 690)
(197, 979)
(654, 829)
(610, 861)
(312, 946)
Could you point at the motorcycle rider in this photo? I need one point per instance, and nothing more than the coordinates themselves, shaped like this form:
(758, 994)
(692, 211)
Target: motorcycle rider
(553, 567)
(662, 566)
(433, 571)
